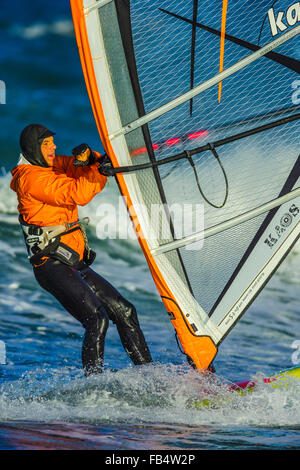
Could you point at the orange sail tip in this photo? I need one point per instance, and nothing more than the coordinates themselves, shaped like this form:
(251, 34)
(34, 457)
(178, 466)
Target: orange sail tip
(200, 349)
(205, 352)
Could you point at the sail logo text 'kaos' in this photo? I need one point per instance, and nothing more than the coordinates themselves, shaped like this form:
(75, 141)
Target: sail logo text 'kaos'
(283, 19)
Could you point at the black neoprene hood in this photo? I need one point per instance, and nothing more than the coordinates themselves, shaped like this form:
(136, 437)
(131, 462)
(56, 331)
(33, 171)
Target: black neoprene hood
(31, 139)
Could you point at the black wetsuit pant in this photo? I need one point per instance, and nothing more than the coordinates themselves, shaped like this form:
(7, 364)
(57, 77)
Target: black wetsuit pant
(94, 301)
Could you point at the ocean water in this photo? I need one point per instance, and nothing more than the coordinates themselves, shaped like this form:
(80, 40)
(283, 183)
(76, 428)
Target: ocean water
(45, 401)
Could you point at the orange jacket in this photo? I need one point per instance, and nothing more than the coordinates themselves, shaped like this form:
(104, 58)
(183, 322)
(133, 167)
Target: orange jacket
(50, 196)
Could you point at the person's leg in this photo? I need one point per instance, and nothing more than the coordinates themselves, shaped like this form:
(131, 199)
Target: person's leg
(71, 290)
(123, 314)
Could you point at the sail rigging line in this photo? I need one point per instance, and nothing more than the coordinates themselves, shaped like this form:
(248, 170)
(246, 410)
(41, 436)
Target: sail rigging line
(268, 206)
(178, 343)
(286, 61)
(240, 123)
(206, 85)
(222, 44)
(144, 166)
(191, 161)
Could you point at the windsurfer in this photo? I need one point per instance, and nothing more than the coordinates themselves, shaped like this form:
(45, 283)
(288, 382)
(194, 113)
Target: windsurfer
(49, 189)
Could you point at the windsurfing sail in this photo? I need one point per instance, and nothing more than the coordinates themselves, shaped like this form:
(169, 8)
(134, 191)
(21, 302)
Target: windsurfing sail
(153, 71)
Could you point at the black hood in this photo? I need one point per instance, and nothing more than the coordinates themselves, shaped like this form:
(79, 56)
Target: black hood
(30, 141)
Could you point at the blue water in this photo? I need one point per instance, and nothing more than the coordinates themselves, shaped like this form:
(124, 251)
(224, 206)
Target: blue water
(45, 401)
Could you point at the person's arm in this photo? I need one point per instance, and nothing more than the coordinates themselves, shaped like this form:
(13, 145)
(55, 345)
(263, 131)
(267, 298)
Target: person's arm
(76, 165)
(56, 188)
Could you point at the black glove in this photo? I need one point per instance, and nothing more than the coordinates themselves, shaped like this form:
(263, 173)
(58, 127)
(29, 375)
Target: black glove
(83, 155)
(105, 166)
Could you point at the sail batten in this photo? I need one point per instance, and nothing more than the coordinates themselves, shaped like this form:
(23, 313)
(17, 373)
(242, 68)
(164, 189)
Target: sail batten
(228, 224)
(208, 84)
(96, 5)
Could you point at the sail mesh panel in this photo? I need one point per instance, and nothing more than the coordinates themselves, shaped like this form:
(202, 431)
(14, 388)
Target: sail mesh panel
(163, 56)
(210, 268)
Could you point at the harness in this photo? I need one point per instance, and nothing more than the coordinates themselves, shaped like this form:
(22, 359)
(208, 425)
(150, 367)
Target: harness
(45, 241)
